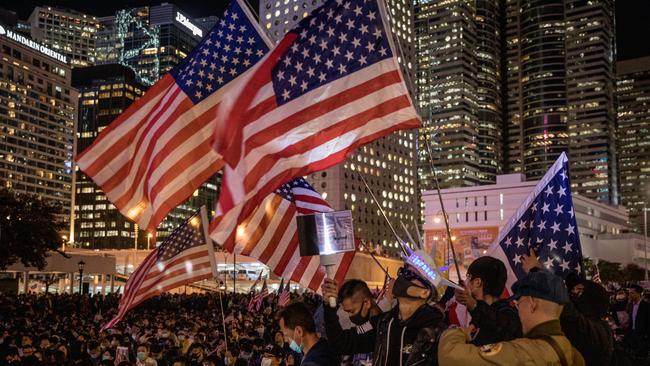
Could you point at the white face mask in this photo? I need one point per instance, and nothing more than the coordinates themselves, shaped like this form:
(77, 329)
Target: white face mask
(266, 361)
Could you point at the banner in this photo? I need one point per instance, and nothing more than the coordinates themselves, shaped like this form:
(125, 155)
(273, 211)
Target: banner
(469, 244)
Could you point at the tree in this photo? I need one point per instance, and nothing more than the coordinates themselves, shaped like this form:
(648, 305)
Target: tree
(610, 271)
(29, 229)
(633, 273)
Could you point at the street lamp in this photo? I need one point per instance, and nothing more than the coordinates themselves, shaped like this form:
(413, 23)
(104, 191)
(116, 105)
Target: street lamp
(81, 265)
(149, 236)
(645, 239)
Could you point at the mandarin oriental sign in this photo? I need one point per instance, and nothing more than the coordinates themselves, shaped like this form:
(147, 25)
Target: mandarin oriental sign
(33, 44)
(189, 25)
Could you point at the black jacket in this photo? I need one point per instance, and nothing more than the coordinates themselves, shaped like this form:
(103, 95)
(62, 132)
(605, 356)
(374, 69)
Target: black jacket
(591, 336)
(414, 341)
(496, 323)
(320, 355)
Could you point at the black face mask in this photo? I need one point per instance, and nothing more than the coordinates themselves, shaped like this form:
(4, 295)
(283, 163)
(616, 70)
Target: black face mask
(358, 319)
(401, 286)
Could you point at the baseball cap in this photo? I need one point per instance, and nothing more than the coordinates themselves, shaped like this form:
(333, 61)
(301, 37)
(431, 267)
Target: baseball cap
(542, 285)
(275, 350)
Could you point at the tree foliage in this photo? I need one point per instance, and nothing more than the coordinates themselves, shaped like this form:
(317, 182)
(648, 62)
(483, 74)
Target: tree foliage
(29, 229)
(614, 272)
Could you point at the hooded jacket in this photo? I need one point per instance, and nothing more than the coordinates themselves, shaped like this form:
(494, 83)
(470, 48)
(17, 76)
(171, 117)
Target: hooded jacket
(394, 342)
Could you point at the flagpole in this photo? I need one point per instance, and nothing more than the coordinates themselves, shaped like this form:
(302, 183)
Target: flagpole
(234, 272)
(442, 205)
(213, 264)
(363, 244)
(399, 240)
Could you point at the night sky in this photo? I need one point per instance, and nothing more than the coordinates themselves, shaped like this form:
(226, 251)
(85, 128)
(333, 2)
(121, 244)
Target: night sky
(633, 26)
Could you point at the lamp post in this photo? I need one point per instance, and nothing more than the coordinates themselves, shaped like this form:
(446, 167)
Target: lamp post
(149, 236)
(645, 239)
(81, 265)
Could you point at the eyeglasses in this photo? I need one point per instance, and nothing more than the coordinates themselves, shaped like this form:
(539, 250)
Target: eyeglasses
(520, 300)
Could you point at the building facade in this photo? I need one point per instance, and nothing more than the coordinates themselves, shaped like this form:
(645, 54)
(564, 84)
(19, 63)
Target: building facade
(633, 99)
(388, 165)
(150, 40)
(560, 85)
(68, 32)
(38, 108)
(477, 214)
(105, 91)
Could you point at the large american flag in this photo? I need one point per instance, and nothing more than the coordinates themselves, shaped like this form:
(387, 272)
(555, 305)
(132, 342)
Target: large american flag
(545, 222)
(270, 235)
(331, 85)
(183, 257)
(159, 151)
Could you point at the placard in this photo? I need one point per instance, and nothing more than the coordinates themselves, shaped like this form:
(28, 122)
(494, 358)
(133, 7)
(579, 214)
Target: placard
(325, 233)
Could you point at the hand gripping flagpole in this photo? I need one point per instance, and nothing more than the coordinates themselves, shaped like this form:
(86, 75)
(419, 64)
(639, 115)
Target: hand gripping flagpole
(442, 205)
(213, 264)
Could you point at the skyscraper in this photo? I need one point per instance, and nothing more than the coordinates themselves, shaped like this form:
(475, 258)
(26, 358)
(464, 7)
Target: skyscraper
(38, 108)
(150, 39)
(633, 99)
(560, 82)
(459, 91)
(105, 91)
(388, 165)
(68, 32)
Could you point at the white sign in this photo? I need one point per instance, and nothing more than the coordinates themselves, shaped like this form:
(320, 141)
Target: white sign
(335, 232)
(33, 44)
(189, 25)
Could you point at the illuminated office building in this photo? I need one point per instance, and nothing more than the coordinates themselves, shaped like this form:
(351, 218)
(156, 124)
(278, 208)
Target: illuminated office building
(68, 32)
(38, 109)
(633, 99)
(105, 91)
(388, 164)
(459, 91)
(560, 85)
(150, 39)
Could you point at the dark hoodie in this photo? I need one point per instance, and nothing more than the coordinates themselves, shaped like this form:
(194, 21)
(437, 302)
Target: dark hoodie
(413, 342)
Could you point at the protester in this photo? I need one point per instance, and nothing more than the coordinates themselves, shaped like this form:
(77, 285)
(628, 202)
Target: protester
(495, 320)
(405, 335)
(540, 296)
(297, 324)
(637, 337)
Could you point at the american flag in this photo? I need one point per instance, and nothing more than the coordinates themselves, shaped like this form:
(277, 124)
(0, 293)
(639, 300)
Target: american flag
(284, 294)
(257, 281)
(184, 257)
(331, 85)
(270, 235)
(159, 151)
(545, 222)
(256, 301)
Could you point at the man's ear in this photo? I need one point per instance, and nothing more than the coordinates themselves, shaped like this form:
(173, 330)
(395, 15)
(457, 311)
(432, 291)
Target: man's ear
(424, 293)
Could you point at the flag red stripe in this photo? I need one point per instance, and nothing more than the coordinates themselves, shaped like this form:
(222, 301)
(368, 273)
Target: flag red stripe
(147, 146)
(172, 274)
(317, 279)
(286, 256)
(127, 140)
(325, 106)
(159, 87)
(181, 194)
(265, 164)
(311, 199)
(287, 220)
(300, 269)
(269, 212)
(155, 271)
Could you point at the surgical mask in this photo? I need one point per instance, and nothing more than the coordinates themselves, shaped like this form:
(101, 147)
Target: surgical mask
(141, 356)
(401, 286)
(181, 337)
(105, 358)
(620, 297)
(295, 347)
(266, 361)
(245, 357)
(226, 361)
(359, 319)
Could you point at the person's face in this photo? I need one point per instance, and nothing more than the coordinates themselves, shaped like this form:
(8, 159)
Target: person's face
(634, 295)
(64, 350)
(358, 308)
(275, 361)
(197, 353)
(45, 344)
(475, 286)
(279, 338)
(143, 349)
(28, 350)
(106, 356)
(26, 341)
(291, 334)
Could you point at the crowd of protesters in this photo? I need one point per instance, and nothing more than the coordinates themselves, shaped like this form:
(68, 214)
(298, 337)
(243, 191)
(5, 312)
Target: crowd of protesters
(606, 325)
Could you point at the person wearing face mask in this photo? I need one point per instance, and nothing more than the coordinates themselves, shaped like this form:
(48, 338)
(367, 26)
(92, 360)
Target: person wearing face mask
(496, 320)
(297, 324)
(539, 296)
(407, 334)
(142, 356)
(196, 354)
(358, 304)
(95, 352)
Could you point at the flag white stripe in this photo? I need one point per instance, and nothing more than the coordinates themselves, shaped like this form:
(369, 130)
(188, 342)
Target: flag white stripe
(270, 231)
(329, 148)
(316, 125)
(256, 219)
(317, 95)
(313, 207)
(116, 134)
(187, 277)
(281, 249)
(127, 155)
